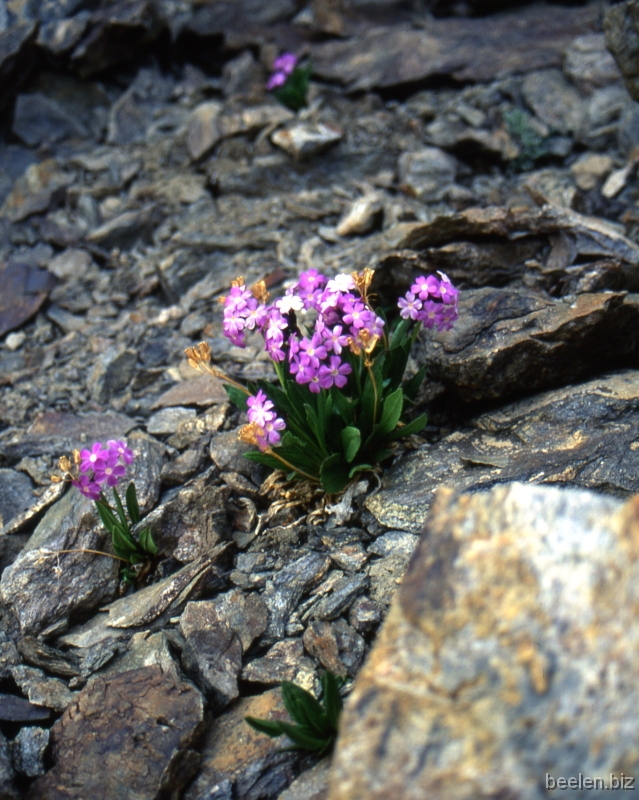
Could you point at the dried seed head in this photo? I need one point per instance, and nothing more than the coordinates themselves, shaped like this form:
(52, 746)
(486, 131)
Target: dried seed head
(249, 433)
(76, 457)
(260, 292)
(198, 357)
(369, 342)
(239, 281)
(56, 479)
(204, 352)
(191, 358)
(355, 349)
(64, 464)
(362, 280)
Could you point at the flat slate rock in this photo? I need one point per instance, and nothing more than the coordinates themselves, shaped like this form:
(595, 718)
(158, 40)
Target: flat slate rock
(583, 435)
(204, 390)
(17, 709)
(52, 431)
(24, 290)
(510, 653)
(16, 495)
(480, 49)
(510, 341)
(588, 235)
(128, 735)
(45, 590)
(233, 754)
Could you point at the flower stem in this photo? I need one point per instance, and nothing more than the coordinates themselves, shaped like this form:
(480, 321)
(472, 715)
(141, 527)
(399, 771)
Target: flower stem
(272, 452)
(217, 373)
(368, 366)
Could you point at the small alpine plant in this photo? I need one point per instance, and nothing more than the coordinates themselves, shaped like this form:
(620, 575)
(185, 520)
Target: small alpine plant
(93, 470)
(317, 722)
(289, 82)
(341, 396)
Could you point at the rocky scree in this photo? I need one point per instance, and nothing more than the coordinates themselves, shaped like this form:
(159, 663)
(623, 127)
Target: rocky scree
(143, 166)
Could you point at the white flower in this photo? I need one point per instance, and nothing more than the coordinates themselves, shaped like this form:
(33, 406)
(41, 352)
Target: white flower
(289, 303)
(340, 283)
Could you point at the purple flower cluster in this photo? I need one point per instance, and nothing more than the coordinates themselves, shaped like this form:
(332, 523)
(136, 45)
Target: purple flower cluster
(282, 68)
(101, 465)
(431, 301)
(242, 312)
(343, 320)
(262, 415)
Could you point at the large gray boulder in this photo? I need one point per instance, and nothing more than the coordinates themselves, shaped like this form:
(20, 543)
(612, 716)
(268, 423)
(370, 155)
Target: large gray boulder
(621, 24)
(510, 656)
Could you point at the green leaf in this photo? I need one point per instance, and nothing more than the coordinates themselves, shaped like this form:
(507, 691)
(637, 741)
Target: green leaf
(332, 699)
(124, 544)
(147, 543)
(304, 442)
(304, 739)
(412, 427)
(121, 513)
(327, 402)
(411, 387)
(352, 441)
(333, 474)
(109, 520)
(359, 468)
(324, 411)
(343, 405)
(400, 333)
(372, 439)
(395, 364)
(270, 728)
(128, 575)
(304, 708)
(299, 452)
(293, 458)
(236, 396)
(315, 423)
(132, 503)
(380, 455)
(392, 411)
